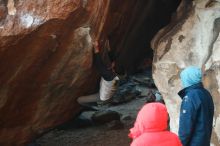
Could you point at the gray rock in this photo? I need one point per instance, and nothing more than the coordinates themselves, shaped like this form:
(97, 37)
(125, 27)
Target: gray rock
(126, 118)
(105, 116)
(115, 125)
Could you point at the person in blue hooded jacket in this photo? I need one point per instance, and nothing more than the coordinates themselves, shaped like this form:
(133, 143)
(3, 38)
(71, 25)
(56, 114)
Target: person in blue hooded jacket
(197, 109)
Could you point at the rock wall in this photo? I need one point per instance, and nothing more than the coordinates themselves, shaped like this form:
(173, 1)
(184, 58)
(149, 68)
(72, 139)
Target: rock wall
(192, 38)
(46, 55)
(45, 63)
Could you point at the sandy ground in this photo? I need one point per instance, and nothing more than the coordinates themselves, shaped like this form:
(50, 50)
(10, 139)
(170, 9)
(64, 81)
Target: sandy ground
(96, 135)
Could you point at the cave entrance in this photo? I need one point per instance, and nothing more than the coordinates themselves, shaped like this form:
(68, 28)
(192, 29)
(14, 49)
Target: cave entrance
(136, 23)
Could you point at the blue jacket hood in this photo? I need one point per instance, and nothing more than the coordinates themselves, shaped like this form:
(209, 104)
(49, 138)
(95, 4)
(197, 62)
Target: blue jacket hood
(190, 76)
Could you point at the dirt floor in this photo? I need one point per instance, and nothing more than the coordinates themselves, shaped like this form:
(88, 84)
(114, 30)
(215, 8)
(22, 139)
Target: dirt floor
(108, 134)
(96, 135)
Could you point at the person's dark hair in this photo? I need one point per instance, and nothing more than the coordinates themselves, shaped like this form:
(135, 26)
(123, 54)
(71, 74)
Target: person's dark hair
(150, 97)
(154, 96)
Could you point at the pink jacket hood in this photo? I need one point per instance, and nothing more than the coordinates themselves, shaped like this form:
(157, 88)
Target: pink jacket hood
(151, 118)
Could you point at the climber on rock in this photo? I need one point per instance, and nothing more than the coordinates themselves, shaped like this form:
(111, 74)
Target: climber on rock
(197, 109)
(108, 83)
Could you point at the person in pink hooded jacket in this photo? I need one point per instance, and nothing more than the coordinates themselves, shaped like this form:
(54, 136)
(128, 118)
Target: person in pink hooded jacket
(150, 128)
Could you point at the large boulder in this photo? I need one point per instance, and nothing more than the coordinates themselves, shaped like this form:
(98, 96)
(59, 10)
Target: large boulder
(45, 63)
(192, 38)
(46, 55)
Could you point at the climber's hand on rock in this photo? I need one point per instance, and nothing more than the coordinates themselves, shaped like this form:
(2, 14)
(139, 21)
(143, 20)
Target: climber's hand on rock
(96, 47)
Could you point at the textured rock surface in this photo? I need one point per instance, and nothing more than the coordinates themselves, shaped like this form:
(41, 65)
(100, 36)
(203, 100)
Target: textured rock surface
(192, 38)
(46, 60)
(46, 55)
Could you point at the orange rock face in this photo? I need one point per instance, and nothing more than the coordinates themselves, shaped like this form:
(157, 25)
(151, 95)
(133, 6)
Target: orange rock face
(45, 65)
(46, 56)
